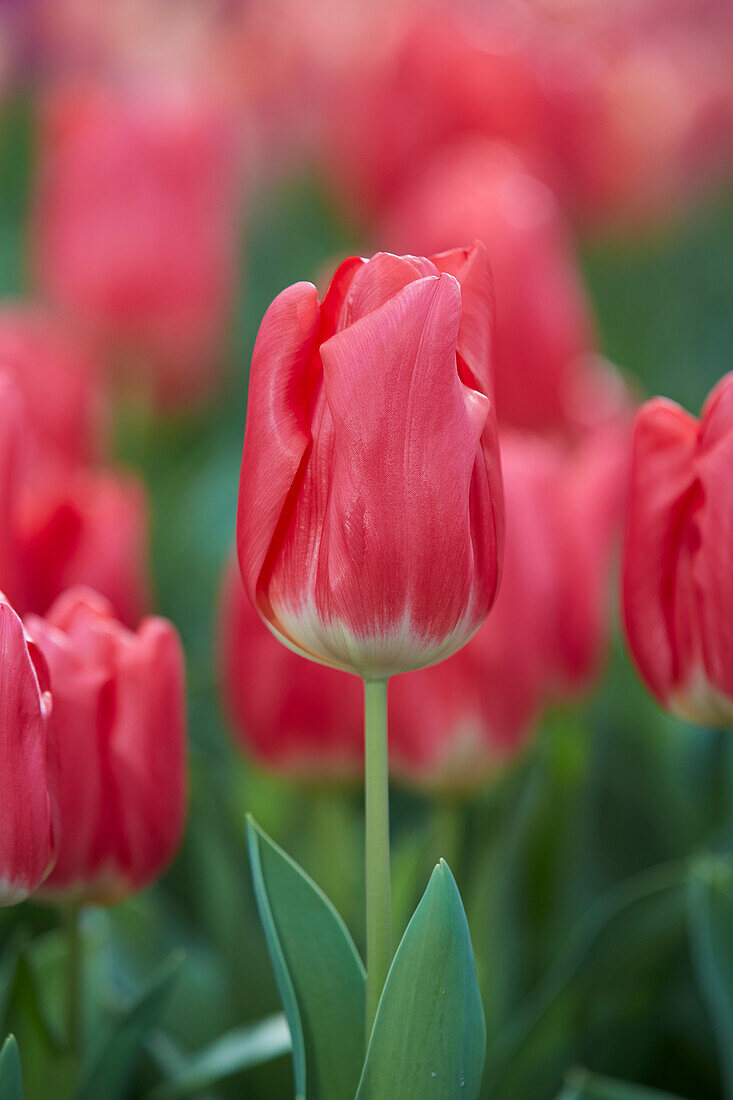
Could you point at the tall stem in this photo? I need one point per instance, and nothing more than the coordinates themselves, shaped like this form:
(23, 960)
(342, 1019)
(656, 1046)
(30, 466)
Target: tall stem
(378, 915)
(73, 980)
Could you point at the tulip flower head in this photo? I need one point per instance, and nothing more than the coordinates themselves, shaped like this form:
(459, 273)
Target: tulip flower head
(678, 556)
(370, 510)
(28, 832)
(119, 721)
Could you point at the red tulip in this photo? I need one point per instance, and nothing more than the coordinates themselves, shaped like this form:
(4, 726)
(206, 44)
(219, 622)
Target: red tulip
(289, 714)
(59, 383)
(678, 564)
(28, 834)
(544, 329)
(119, 719)
(11, 464)
(91, 528)
(370, 509)
(135, 227)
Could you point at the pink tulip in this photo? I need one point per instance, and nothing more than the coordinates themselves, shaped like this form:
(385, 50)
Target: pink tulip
(28, 826)
(288, 714)
(119, 719)
(90, 528)
(677, 568)
(544, 328)
(60, 385)
(136, 225)
(370, 510)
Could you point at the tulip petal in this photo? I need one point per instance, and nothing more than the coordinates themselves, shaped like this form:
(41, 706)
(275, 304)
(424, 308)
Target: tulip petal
(395, 558)
(277, 433)
(656, 581)
(471, 268)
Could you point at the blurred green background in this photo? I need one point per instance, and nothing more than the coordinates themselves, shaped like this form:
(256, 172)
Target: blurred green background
(593, 872)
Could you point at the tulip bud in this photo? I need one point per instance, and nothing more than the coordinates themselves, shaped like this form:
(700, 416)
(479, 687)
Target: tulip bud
(290, 715)
(28, 834)
(119, 720)
(678, 556)
(370, 509)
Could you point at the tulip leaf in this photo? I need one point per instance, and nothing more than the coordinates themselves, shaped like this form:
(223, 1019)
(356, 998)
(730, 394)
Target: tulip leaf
(232, 1053)
(711, 939)
(318, 971)
(11, 1082)
(110, 1070)
(582, 1085)
(429, 1035)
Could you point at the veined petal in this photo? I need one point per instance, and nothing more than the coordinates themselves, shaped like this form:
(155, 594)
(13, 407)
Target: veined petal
(277, 434)
(396, 554)
(656, 580)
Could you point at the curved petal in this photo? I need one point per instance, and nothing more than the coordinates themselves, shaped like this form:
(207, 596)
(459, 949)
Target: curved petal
(277, 434)
(471, 268)
(656, 567)
(26, 825)
(407, 437)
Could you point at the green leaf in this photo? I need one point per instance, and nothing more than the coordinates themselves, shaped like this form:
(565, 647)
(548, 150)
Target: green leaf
(239, 1050)
(711, 940)
(111, 1068)
(318, 971)
(11, 1082)
(429, 1035)
(582, 1085)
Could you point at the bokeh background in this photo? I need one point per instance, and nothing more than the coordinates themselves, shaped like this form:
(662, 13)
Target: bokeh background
(580, 861)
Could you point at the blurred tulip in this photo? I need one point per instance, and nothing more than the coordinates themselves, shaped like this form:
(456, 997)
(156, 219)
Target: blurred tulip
(60, 385)
(292, 716)
(544, 329)
(136, 225)
(678, 566)
(370, 509)
(11, 464)
(90, 528)
(28, 829)
(119, 719)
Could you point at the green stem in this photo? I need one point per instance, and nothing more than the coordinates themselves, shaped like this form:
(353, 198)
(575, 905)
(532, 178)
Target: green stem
(74, 982)
(378, 915)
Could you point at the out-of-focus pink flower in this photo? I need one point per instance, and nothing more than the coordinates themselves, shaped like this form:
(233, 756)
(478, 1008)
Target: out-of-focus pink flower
(89, 527)
(678, 556)
(11, 464)
(60, 384)
(544, 329)
(28, 825)
(119, 721)
(136, 224)
(370, 524)
(290, 714)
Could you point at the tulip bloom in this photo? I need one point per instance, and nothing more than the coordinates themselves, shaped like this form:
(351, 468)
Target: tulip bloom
(544, 327)
(289, 714)
(678, 564)
(28, 833)
(370, 509)
(119, 720)
(135, 224)
(89, 528)
(60, 385)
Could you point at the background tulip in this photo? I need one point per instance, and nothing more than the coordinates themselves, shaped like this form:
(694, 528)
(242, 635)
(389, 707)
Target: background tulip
(60, 383)
(370, 460)
(289, 714)
(119, 721)
(135, 224)
(28, 826)
(677, 566)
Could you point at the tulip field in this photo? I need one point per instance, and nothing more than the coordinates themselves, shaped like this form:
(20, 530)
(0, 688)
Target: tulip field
(366, 550)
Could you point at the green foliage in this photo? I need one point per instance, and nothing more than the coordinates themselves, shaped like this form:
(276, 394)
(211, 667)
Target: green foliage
(711, 939)
(429, 1035)
(11, 1081)
(318, 970)
(588, 1086)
